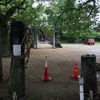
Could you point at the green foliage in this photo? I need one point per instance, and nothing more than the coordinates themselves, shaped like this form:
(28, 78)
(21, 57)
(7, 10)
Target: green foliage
(90, 33)
(8, 8)
(66, 15)
(83, 34)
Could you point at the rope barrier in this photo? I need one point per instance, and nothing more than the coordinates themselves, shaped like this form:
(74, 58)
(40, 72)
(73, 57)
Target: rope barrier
(93, 94)
(14, 95)
(88, 95)
(26, 38)
(20, 98)
(18, 94)
(93, 98)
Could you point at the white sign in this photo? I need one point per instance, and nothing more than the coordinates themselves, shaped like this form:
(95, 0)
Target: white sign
(17, 50)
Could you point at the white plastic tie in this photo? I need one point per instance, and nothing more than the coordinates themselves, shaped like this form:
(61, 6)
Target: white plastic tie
(14, 96)
(27, 58)
(28, 45)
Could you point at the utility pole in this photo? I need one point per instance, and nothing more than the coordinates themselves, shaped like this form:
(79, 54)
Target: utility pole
(88, 72)
(16, 89)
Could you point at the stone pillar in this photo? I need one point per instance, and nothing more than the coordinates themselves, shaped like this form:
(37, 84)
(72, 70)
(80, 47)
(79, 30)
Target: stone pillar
(88, 72)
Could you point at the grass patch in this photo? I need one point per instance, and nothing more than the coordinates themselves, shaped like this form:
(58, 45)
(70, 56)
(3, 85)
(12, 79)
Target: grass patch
(97, 42)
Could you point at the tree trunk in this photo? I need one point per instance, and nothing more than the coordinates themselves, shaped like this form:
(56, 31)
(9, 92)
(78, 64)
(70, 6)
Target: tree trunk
(17, 70)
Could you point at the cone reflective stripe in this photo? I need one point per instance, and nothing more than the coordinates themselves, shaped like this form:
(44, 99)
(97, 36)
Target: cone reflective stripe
(75, 73)
(46, 74)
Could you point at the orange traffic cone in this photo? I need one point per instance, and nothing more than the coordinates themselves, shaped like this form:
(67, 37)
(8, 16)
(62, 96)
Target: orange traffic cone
(75, 73)
(46, 75)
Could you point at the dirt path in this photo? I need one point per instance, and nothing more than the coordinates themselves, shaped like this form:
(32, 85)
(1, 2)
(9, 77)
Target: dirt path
(60, 65)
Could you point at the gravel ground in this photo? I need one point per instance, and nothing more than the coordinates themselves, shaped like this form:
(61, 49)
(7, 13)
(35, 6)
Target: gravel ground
(60, 66)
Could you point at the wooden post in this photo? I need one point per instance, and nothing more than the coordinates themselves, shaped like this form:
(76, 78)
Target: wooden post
(17, 70)
(88, 72)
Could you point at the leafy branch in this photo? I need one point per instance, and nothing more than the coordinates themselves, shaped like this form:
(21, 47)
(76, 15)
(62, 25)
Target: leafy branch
(6, 2)
(80, 6)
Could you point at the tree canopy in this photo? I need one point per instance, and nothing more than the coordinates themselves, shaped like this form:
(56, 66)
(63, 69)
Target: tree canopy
(62, 14)
(70, 15)
(10, 7)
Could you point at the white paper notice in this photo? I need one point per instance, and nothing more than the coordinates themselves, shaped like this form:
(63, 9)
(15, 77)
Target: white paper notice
(17, 50)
